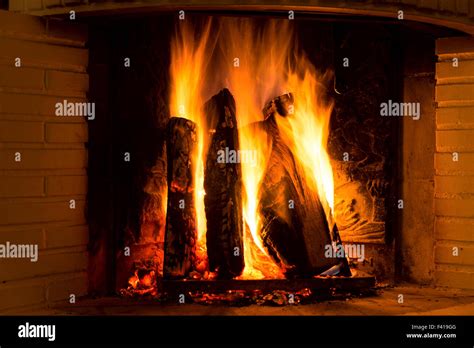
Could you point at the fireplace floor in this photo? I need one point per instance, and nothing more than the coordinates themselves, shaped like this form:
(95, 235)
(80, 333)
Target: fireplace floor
(359, 280)
(417, 301)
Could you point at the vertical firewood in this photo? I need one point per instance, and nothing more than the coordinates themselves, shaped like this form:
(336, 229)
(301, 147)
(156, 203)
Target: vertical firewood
(181, 233)
(223, 186)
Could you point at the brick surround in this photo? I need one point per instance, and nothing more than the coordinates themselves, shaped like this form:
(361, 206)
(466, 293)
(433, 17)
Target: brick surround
(35, 192)
(454, 180)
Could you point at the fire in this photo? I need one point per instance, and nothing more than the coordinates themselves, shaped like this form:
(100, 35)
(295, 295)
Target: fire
(256, 64)
(306, 130)
(257, 76)
(189, 58)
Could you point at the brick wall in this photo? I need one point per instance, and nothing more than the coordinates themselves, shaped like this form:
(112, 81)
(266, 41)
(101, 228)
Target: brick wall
(454, 180)
(35, 192)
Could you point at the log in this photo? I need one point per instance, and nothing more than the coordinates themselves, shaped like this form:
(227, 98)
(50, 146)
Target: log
(223, 186)
(295, 229)
(281, 105)
(181, 232)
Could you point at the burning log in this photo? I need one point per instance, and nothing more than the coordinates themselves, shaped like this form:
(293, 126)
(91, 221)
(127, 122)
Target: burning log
(181, 233)
(295, 229)
(223, 186)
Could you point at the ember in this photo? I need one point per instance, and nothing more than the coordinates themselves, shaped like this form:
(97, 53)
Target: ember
(143, 281)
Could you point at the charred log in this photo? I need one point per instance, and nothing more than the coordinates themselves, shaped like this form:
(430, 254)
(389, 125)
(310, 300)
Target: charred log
(295, 229)
(223, 186)
(181, 233)
(282, 105)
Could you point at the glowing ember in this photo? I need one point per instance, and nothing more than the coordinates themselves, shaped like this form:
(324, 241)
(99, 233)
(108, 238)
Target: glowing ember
(134, 280)
(143, 282)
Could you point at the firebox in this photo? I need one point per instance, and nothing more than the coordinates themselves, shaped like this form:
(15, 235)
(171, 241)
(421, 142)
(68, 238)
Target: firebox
(235, 152)
(252, 148)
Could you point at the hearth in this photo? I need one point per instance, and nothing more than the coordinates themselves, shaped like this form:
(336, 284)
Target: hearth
(237, 155)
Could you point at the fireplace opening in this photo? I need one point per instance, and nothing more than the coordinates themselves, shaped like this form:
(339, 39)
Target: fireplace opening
(240, 152)
(243, 152)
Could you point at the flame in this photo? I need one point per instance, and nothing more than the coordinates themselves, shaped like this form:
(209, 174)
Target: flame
(189, 58)
(256, 63)
(257, 76)
(306, 130)
(134, 280)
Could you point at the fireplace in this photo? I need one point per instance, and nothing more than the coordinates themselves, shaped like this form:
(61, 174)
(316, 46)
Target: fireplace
(224, 154)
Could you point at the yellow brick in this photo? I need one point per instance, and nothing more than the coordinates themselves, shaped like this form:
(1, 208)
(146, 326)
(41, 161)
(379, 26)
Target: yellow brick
(59, 80)
(444, 163)
(62, 288)
(73, 33)
(35, 29)
(57, 237)
(465, 68)
(455, 140)
(444, 254)
(48, 56)
(20, 23)
(16, 5)
(454, 184)
(22, 235)
(454, 207)
(13, 103)
(24, 132)
(66, 185)
(21, 186)
(43, 211)
(455, 92)
(454, 229)
(66, 133)
(461, 280)
(47, 264)
(21, 294)
(33, 5)
(455, 45)
(43, 159)
(455, 118)
(21, 77)
(51, 3)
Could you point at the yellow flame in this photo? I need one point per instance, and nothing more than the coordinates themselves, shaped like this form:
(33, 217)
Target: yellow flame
(255, 70)
(306, 129)
(189, 58)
